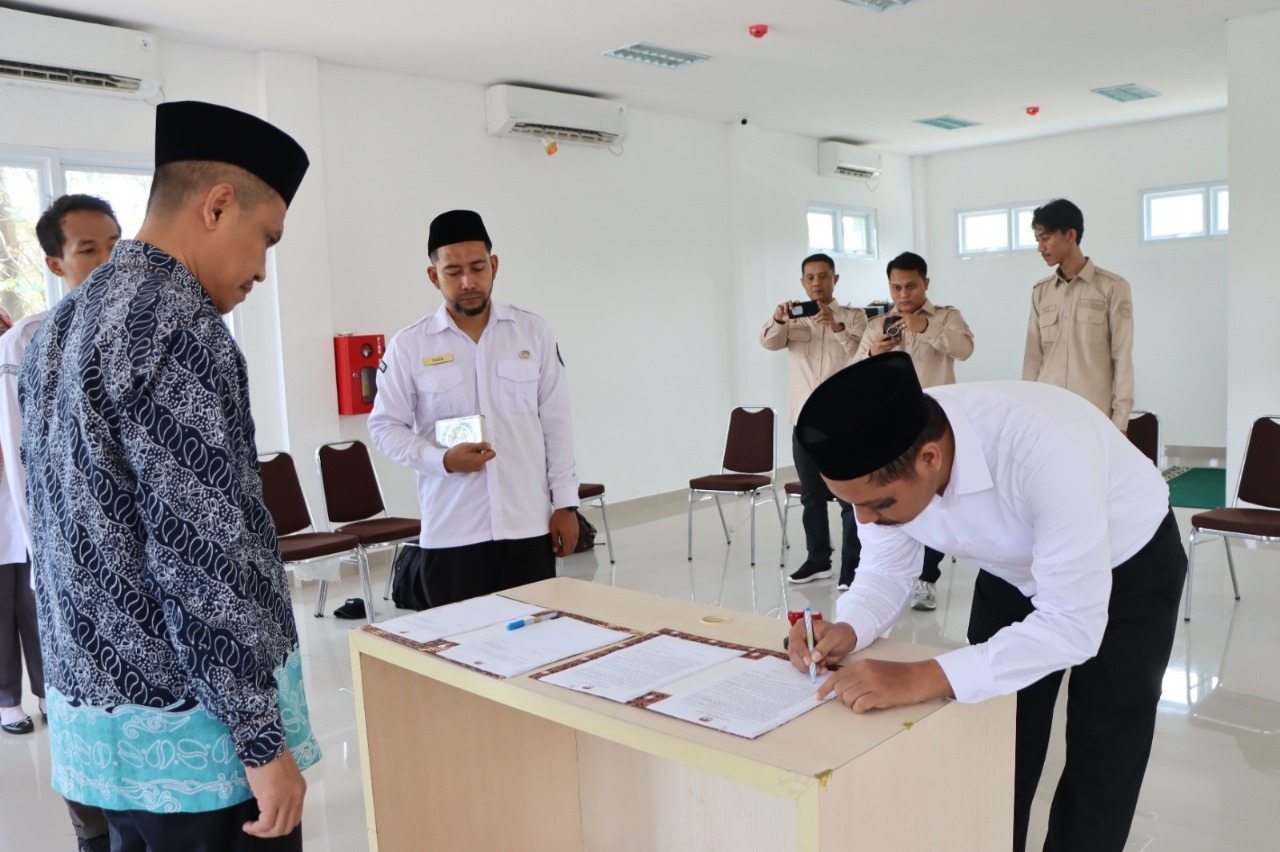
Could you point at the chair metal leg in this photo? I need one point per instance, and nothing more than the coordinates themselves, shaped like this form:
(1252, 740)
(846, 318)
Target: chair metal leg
(324, 593)
(391, 574)
(723, 523)
(753, 529)
(366, 585)
(608, 536)
(1231, 564)
(782, 555)
(690, 524)
(1191, 564)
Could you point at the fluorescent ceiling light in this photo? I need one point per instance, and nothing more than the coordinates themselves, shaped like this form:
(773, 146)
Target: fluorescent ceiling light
(878, 5)
(947, 122)
(1129, 92)
(651, 54)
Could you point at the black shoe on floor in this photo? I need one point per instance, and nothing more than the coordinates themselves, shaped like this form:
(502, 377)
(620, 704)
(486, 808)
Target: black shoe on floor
(26, 726)
(846, 579)
(353, 608)
(810, 571)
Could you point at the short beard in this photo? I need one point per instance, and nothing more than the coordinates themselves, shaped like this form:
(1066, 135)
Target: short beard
(472, 312)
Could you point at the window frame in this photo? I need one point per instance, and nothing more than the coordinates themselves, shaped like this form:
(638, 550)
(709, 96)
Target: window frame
(837, 212)
(1014, 243)
(1209, 192)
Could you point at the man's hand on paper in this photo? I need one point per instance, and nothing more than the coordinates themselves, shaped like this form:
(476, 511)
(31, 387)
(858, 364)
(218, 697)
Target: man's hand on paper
(869, 684)
(831, 641)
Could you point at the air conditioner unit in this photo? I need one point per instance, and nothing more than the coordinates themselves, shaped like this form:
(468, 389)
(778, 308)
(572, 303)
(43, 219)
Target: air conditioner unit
(535, 113)
(840, 159)
(72, 56)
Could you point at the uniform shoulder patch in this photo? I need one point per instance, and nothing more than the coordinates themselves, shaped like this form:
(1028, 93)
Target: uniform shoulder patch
(1126, 309)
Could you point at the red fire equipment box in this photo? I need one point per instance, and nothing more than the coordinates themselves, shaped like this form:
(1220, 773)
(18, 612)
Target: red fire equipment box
(357, 357)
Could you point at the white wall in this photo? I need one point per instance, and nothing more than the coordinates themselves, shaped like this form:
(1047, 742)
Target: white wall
(1253, 299)
(1179, 286)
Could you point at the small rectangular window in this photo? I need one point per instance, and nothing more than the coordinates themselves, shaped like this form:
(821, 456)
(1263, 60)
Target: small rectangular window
(848, 231)
(984, 231)
(1221, 209)
(22, 269)
(1024, 237)
(1185, 212)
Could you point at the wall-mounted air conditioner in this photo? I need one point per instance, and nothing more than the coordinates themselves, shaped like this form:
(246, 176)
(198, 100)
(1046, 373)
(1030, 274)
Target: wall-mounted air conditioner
(840, 159)
(72, 56)
(536, 113)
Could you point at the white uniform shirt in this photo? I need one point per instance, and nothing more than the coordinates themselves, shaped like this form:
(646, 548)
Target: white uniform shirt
(15, 531)
(1044, 493)
(514, 377)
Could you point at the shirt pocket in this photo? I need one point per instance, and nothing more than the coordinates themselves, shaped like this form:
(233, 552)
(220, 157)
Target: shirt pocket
(518, 384)
(799, 334)
(1091, 318)
(1048, 321)
(440, 393)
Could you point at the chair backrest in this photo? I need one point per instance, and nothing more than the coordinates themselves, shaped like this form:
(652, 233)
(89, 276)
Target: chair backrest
(282, 492)
(351, 491)
(1260, 474)
(750, 443)
(1144, 433)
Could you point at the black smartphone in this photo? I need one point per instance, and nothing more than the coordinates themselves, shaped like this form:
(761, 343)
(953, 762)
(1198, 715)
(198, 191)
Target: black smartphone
(891, 328)
(804, 309)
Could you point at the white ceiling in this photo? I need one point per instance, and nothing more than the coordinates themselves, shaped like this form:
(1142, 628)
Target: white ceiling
(826, 69)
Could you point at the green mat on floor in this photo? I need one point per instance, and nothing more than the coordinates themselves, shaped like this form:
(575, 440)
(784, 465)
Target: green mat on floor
(1197, 487)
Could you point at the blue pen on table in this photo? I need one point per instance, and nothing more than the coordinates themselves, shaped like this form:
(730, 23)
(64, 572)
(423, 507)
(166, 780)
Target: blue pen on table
(532, 619)
(808, 635)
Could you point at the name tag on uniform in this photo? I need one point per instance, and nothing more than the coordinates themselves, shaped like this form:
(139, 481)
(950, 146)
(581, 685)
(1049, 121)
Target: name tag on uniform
(439, 359)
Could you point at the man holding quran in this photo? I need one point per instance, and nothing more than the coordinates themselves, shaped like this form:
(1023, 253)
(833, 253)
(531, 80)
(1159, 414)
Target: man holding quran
(1081, 568)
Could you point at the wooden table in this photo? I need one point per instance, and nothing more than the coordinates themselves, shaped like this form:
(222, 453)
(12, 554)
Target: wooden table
(456, 760)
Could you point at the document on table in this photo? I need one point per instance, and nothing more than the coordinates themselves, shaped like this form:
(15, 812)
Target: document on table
(637, 669)
(507, 653)
(750, 700)
(462, 617)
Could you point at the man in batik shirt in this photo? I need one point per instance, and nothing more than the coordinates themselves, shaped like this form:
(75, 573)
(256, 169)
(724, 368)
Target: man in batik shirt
(172, 667)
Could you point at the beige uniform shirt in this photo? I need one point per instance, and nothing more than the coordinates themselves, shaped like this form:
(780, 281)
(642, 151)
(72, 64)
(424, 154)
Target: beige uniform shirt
(815, 352)
(1080, 337)
(934, 351)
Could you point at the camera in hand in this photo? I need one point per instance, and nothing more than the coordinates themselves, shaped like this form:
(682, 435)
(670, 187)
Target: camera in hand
(891, 327)
(803, 309)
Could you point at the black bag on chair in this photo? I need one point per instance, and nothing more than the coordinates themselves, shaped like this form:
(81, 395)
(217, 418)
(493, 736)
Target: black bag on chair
(407, 588)
(586, 535)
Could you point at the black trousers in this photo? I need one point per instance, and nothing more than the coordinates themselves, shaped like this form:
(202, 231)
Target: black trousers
(1111, 699)
(452, 574)
(817, 532)
(210, 831)
(932, 570)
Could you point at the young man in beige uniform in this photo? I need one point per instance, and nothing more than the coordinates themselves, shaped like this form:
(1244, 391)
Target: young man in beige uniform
(1080, 335)
(935, 338)
(817, 347)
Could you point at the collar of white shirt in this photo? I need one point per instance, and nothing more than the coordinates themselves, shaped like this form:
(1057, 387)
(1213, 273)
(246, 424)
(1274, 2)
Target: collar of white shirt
(442, 320)
(970, 472)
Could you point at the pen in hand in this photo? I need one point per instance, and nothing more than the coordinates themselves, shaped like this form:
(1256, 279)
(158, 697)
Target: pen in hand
(808, 635)
(533, 619)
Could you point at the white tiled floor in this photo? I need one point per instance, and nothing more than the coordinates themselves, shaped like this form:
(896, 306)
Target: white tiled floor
(1213, 782)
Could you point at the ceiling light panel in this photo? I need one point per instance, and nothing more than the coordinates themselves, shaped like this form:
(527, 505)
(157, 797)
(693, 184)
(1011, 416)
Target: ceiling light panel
(652, 54)
(1126, 93)
(878, 5)
(947, 122)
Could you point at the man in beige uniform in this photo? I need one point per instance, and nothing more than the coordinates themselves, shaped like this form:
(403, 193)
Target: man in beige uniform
(817, 347)
(935, 338)
(1080, 335)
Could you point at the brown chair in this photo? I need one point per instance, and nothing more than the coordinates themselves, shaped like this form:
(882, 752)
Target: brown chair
(1144, 433)
(747, 468)
(1259, 485)
(353, 502)
(593, 492)
(299, 542)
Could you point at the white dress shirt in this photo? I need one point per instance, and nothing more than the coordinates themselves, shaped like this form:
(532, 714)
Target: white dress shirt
(15, 532)
(514, 377)
(1044, 493)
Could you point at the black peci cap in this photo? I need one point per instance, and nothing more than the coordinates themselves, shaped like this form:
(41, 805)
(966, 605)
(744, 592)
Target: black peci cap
(863, 417)
(456, 226)
(193, 130)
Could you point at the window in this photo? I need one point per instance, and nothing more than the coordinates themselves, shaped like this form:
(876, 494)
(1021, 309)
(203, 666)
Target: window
(996, 229)
(1183, 212)
(30, 179)
(848, 231)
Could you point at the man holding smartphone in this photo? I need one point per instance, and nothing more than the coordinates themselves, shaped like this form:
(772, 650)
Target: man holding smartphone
(935, 337)
(821, 338)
